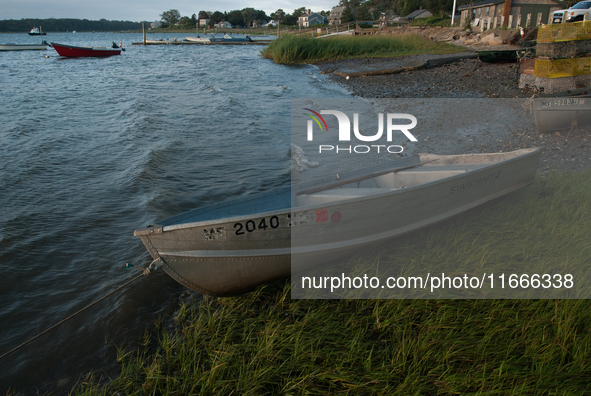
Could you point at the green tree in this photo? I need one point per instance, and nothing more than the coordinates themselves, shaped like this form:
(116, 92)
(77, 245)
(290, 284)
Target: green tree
(186, 22)
(278, 15)
(216, 17)
(203, 15)
(248, 15)
(299, 12)
(347, 15)
(409, 6)
(438, 7)
(170, 17)
(235, 18)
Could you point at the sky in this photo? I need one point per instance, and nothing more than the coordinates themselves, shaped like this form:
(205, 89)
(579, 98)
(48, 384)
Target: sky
(142, 10)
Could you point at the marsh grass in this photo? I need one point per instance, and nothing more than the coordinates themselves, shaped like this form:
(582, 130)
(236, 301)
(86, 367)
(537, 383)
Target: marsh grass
(266, 343)
(292, 50)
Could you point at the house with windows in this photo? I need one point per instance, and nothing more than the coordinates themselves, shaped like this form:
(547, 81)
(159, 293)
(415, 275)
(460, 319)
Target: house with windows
(334, 17)
(387, 19)
(311, 18)
(223, 25)
(203, 22)
(490, 14)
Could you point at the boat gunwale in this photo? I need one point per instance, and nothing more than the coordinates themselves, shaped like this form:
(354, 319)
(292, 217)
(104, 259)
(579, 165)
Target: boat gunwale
(87, 48)
(528, 152)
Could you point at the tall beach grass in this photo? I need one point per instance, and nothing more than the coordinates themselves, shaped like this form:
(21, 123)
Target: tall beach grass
(291, 50)
(266, 343)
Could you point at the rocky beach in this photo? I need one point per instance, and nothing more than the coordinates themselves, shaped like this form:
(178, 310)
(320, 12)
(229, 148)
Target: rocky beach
(465, 78)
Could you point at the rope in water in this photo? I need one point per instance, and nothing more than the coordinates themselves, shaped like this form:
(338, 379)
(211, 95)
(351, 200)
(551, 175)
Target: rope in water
(145, 271)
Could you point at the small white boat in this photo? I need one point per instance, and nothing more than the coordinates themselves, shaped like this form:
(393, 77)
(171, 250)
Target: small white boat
(198, 39)
(230, 247)
(554, 114)
(23, 47)
(36, 32)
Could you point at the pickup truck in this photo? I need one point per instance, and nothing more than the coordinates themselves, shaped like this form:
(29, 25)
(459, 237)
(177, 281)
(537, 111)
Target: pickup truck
(579, 12)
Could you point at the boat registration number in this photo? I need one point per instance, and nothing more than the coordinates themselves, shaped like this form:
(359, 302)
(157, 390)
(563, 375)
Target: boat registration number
(258, 224)
(562, 102)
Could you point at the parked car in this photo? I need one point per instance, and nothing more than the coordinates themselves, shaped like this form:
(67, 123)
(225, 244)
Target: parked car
(579, 12)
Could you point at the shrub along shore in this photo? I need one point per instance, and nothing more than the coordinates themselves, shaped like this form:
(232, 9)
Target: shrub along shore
(263, 342)
(293, 50)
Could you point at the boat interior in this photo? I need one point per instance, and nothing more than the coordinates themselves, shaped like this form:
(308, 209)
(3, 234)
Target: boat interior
(380, 179)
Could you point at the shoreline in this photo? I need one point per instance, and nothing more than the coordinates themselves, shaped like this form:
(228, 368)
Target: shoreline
(465, 78)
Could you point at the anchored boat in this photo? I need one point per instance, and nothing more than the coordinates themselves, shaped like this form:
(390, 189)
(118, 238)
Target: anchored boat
(77, 52)
(230, 247)
(36, 32)
(23, 47)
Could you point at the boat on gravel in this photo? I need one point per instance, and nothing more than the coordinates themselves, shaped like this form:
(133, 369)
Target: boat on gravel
(497, 56)
(555, 114)
(79, 52)
(232, 246)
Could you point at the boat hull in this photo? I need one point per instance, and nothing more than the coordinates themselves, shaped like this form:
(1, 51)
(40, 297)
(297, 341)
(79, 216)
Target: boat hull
(80, 52)
(202, 40)
(562, 113)
(23, 47)
(498, 56)
(229, 256)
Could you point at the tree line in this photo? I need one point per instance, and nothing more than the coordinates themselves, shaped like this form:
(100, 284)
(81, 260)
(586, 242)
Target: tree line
(247, 17)
(67, 25)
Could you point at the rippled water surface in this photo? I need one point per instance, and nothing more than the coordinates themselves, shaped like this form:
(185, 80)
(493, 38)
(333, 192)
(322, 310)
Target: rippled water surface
(92, 149)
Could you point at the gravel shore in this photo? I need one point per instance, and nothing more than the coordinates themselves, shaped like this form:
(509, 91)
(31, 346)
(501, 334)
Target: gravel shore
(469, 78)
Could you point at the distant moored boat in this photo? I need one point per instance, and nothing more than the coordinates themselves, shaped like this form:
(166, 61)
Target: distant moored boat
(36, 32)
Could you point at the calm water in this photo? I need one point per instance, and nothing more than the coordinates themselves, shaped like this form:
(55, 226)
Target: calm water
(92, 149)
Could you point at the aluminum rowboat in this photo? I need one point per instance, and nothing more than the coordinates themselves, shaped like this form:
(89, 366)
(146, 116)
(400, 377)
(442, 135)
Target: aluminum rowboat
(553, 114)
(231, 247)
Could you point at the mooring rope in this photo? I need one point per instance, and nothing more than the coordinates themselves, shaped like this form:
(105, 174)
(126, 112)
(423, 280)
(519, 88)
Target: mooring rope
(145, 271)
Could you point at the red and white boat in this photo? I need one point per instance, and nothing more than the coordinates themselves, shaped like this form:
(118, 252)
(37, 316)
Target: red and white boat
(77, 52)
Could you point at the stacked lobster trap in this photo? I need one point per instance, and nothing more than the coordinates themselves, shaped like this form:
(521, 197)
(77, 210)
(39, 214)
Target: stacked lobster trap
(563, 59)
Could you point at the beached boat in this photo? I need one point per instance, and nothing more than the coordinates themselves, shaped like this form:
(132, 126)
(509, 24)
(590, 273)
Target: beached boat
(230, 247)
(554, 114)
(23, 47)
(77, 52)
(36, 32)
(497, 56)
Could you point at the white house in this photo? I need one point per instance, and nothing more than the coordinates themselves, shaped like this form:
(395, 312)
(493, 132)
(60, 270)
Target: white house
(203, 22)
(223, 25)
(272, 22)
(311, 18)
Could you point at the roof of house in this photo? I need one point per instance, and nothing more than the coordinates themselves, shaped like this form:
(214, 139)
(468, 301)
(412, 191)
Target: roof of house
(495, 2)
(417, 13)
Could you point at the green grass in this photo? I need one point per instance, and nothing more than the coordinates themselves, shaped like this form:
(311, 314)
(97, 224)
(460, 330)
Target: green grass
(266, 343)
(292, 50)
(434, 21)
